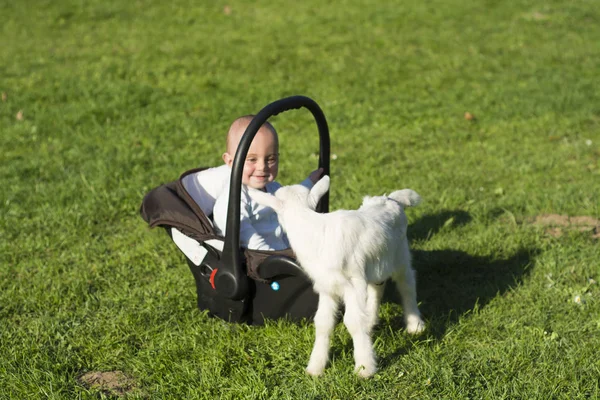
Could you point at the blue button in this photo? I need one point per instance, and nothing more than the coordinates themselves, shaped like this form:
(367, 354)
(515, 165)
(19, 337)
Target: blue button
(275, 286)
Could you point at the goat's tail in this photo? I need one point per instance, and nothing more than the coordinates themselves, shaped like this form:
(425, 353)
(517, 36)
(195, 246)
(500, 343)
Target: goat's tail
(406, 197)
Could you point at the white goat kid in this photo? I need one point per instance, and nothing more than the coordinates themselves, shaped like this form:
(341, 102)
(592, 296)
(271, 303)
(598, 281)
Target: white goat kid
(348, 254)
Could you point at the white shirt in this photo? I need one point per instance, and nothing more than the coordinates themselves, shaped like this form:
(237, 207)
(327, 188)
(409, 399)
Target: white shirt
(259, 226)
(206, 186)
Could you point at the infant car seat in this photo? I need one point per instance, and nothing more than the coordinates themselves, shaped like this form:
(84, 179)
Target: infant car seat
(235, 284)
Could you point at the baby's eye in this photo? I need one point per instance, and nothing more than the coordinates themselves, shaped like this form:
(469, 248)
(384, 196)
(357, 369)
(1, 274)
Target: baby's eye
(251, 160)
(272, 160)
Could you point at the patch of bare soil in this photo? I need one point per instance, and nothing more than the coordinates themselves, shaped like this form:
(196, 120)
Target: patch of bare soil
(114, 383)
(556, 225)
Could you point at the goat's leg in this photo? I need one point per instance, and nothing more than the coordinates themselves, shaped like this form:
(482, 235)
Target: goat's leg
(374, 293)
(324, 324)
(357, 322)
(407, 286)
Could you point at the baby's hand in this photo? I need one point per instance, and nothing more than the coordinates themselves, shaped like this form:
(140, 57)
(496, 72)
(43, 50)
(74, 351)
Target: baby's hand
(315, 175)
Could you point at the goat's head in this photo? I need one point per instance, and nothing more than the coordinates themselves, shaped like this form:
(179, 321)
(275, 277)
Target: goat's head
(294, 197)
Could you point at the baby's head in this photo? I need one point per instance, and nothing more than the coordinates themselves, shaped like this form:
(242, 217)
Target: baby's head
(262, 160)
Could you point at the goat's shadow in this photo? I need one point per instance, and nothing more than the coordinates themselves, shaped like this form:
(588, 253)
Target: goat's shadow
(450, 282)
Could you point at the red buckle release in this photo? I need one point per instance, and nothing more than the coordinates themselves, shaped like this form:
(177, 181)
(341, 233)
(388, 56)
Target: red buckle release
(212, 278)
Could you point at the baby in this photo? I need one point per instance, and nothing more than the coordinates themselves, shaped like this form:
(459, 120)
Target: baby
(259, 226)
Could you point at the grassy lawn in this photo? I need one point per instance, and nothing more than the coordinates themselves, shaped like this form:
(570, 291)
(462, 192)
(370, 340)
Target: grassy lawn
(104, 100)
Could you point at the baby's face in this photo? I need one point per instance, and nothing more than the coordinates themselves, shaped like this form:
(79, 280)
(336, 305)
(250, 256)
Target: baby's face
(262, 161)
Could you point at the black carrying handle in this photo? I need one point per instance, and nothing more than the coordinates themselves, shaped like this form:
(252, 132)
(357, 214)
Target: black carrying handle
(230, 279)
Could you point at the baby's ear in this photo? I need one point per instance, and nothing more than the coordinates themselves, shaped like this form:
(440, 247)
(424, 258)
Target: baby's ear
(266, 199)
(227, 158)
(318, 191)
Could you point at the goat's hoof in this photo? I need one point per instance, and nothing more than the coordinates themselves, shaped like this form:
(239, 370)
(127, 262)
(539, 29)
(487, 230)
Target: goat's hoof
(365, 372)
(312, 371)
(415, 326)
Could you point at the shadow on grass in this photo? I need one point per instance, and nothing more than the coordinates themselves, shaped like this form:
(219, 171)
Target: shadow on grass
(451, 282)
(429, 225)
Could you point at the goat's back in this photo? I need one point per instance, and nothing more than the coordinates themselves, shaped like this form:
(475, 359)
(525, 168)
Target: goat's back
(385, 243)
(369, 242)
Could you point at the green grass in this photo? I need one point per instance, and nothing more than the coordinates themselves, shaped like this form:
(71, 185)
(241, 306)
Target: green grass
(115, 98)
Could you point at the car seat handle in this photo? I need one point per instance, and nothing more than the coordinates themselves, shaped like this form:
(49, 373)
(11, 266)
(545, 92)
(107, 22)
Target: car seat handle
(230, 279)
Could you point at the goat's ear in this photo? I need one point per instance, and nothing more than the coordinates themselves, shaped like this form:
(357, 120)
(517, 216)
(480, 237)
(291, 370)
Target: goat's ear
(265, 199)
(320, 188)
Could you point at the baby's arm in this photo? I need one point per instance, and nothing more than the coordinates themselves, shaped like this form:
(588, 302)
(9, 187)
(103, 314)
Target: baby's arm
(316, 175)
(312, 178)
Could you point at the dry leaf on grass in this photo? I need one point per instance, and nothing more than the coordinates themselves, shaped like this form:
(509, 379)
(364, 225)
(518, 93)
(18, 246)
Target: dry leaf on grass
(584, 221)
(538, 16)
(556, 225)
(554, 232)
(551, 220)
(114, 383)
